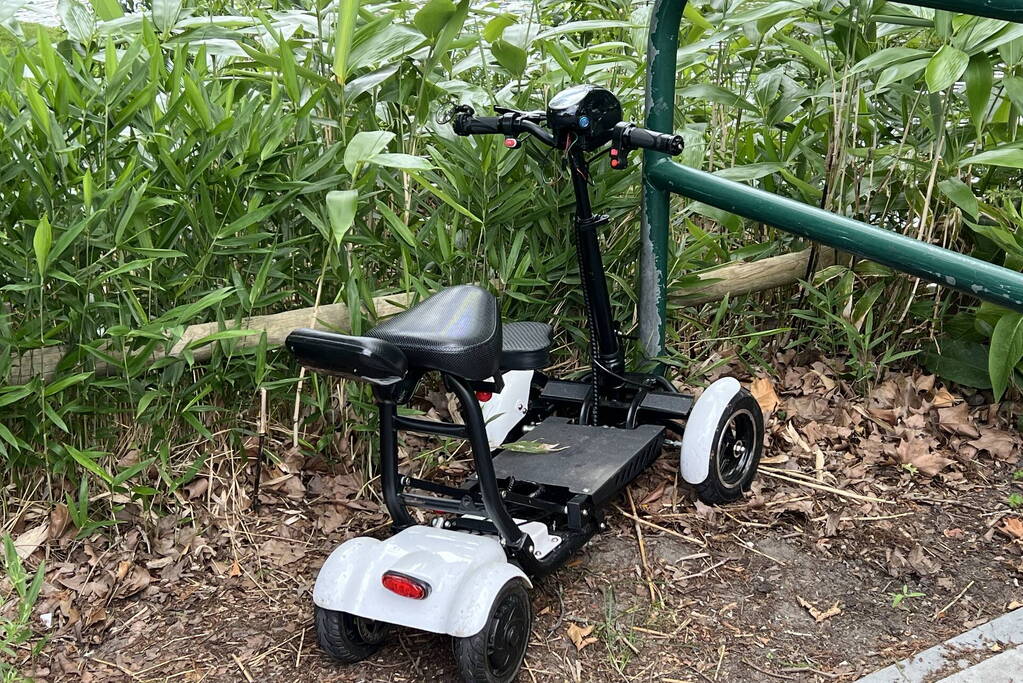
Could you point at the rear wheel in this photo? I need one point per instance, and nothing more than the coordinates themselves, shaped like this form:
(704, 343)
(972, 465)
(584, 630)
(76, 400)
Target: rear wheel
(495, 654)
(346, 637)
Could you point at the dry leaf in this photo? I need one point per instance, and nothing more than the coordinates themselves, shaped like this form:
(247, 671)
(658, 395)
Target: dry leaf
(943, 398)
(28, 542)
(235, 570)
(957, 420)
(996, 442)
(817, 614)
(1013, 526)
(580, 635)
(918, 453)
(59, 519)
(762, 389)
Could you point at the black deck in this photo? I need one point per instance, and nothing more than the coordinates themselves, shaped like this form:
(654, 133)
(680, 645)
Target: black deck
(595, 461)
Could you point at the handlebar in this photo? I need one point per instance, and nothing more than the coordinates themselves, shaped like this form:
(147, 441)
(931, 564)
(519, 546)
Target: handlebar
(624, 138)
(636, 137)
(510, 123)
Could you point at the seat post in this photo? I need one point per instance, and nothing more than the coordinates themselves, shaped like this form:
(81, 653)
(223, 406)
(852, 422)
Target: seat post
(389, 466)
(511, 534)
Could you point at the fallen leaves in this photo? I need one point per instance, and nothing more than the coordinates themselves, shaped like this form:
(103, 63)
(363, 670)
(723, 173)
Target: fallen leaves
(957, 420)
(29, 541)
(918, 453)
(817, 614)
(1013, 526)
(763, 391)
(580, 635)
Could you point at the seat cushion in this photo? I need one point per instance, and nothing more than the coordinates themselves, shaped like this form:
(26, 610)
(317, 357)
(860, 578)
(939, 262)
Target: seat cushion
(525, 346)
(457, 331)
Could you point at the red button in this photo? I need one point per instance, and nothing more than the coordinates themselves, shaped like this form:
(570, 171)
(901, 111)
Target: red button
(511, 142)
(484, 396)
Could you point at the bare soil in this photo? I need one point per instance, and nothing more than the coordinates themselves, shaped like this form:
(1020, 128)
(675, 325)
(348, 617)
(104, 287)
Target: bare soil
(879, 527)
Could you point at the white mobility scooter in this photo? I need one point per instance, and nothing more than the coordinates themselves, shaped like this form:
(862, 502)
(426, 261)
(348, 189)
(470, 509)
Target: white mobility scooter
(522, 514)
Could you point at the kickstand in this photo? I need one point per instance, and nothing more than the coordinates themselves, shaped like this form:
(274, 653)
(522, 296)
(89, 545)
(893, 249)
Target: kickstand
(259, 449)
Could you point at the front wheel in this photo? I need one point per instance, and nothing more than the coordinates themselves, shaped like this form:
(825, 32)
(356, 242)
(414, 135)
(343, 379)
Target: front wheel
(722, 442)
(495, 654)
(346, 637)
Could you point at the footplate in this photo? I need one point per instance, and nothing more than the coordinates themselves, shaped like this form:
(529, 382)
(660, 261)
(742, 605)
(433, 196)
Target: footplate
(594, 461)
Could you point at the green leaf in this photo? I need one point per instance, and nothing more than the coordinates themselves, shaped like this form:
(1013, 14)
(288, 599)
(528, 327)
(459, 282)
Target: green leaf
(511, 57)
(365, 145)
(960, 194)
(960, 361)
(78, 21)
(165, 13)
(534, 447)
(86, 460)
(434, 15)
(342, 206)
(588, 25)
(41, 243)
(1009, 157)
(107, 10)
(344, 35)
(65, 382)
(406, 162)
(1006, 351)
(979, 82)
(883, 59)
(496, 26)
(945, 68)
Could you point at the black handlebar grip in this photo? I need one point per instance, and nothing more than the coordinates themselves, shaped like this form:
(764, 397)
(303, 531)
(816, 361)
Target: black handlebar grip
(658, 142)
(467, 124)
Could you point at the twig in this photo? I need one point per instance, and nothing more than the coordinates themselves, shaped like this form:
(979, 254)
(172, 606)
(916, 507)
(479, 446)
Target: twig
(259, 448)
(298, 655)
(750, 548)
(954, 601)
(642, 550)
(829, 489)
(704, 571)
(650, 524)
(766, 672)
(241, 666)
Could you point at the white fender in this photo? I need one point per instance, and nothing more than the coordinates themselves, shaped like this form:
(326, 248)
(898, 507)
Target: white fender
(504, 411)
(464, 571)
(702, 425)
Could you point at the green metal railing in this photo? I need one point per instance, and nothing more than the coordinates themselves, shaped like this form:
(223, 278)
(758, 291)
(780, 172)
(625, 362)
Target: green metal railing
(662, 177)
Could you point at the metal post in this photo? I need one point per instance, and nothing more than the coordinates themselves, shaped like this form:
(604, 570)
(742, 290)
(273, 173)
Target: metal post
(662, 46)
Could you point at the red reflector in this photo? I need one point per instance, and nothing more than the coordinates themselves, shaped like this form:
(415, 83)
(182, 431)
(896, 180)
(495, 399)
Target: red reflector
(614, 162)
(511, 142)
(405, 586)
(484, 396)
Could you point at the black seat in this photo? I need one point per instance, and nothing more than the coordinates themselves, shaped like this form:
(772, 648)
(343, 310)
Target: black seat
(457, 331)
(526, 346)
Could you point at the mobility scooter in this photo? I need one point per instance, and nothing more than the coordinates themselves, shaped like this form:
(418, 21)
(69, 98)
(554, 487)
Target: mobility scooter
(523, 512)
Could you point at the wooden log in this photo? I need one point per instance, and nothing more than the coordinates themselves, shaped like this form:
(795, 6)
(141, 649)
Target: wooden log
(277, 326)
(756, 276)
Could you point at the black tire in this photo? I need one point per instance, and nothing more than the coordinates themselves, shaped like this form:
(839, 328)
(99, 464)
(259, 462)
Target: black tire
(495, 654)
(738, 444)
(346, 637)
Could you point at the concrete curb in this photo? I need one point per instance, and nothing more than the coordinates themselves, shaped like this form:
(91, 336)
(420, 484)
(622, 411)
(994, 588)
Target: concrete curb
(986, 654)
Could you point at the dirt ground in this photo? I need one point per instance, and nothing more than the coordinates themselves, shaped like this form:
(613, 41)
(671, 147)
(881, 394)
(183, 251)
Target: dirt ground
(878, 527)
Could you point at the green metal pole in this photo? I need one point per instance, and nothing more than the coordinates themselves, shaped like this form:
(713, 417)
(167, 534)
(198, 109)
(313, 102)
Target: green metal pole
(662, 46)
(1007, 10)
(973, 276)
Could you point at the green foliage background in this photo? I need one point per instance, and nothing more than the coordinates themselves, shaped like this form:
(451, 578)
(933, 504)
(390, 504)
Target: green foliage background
(204, 163)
